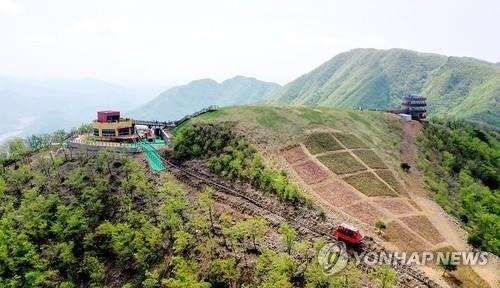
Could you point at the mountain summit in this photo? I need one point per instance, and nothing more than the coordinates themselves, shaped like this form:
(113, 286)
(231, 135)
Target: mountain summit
(377, 79)
(179, 101)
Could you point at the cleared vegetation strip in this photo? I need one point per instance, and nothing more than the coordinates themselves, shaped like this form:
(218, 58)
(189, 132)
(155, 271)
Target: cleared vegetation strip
(389, 178)
(365, 212)
(341, 163)
(396, 206)
(310, 172)
(369, 184)
(321, 142)
(424, 228)
(336, 193)
(350, 140)
(370, 158)
(404, 238)
(294, 154)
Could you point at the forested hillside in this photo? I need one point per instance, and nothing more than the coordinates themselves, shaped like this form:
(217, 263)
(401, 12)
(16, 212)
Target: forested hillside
(77, 220)
(377, 79)
(461, 166)
(179, 101)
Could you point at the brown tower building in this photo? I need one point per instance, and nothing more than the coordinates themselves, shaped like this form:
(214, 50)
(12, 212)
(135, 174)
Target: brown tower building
(414, 105)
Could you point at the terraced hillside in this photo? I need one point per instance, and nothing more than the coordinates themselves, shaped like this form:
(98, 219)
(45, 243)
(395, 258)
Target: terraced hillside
(349, 163)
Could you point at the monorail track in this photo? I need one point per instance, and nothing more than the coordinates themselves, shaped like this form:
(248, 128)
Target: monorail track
(407, 275)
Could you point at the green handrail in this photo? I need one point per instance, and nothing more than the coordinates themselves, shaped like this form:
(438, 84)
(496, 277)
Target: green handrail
(152, 155)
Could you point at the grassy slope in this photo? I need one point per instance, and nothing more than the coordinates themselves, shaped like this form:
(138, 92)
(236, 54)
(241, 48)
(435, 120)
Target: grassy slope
(282, 125)
(373, 78)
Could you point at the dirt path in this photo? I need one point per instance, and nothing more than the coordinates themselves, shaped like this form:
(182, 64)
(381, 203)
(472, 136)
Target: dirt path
(452, 232)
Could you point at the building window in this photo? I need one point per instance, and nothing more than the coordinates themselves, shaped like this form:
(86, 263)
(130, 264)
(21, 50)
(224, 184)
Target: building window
(108, 132)
(124, 131)
(96, 132)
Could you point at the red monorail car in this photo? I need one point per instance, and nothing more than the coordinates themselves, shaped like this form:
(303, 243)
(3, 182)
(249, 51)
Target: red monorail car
(348, 234)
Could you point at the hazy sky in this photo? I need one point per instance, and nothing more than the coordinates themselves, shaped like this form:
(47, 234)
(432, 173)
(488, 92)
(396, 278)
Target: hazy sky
(171, 42)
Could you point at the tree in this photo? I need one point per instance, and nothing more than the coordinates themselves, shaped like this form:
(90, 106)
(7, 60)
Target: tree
(252, 230)
(315, 276)
(206, 202)
(17, 147)
(182, 241)
(95, 269)
(274, 269)
(384, 276)
(288, 236)
(305, 250)
(349, 277)
(406, 167)
(226, 221)
(185, 275)
(224, 272)
(59, 136)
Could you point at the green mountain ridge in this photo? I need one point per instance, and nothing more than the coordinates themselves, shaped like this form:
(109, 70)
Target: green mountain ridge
(376, 79)
(179, 101)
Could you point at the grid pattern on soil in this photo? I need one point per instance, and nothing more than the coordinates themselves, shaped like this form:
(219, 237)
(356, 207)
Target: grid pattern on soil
(336, 193)
(310, 172)
(365, 212)
(321, 142)
(350, 140)
(389, 178)
(369, 185)
(396, 206)
(294, 154)
(422, 226)
(370, 158)
(341, 163)
(403, 238)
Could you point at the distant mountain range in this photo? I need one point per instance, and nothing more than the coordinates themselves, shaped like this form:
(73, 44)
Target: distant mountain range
(377, 79)
(178, 101)
(368, 78)
(30, 106)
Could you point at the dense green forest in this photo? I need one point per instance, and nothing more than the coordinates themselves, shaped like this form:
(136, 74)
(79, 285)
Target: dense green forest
(461, 164)
(377, 79)
(77, 220)
(232, 156)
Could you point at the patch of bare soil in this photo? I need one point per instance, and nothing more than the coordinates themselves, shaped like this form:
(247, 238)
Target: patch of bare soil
(336, 193)
(424, 228)
(396, 206)
(403, 238)
(294, 154)
(365, 212)
(310, 172)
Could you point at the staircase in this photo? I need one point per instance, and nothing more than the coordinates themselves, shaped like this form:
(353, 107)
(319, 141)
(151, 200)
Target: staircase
(152, 155)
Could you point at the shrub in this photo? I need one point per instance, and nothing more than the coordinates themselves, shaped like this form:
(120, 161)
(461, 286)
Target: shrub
(233, 157)
(405, 167)
(380, 225)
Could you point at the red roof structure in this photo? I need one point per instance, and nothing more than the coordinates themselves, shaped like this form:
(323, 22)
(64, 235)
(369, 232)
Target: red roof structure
(108, 116)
